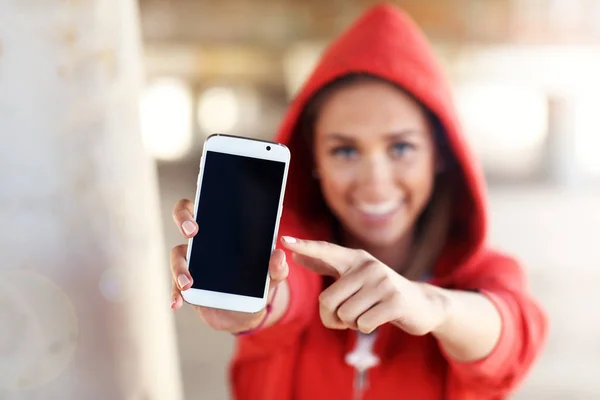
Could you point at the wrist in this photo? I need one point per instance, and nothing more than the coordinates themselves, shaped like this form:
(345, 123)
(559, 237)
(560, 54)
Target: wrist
(441, 305)
(262, 316)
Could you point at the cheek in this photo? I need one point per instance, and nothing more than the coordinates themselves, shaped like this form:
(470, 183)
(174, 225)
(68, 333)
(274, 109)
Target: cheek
(419, 181)
(336, 183)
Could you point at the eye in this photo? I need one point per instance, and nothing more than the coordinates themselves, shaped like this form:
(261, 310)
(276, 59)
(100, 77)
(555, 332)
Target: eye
(401, 148)
(344, 152)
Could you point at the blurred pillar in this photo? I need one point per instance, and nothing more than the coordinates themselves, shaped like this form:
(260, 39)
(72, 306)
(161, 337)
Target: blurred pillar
(561, 163)
(84, 285)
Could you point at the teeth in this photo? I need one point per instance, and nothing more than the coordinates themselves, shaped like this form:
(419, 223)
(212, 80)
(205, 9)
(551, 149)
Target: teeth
(379, 208)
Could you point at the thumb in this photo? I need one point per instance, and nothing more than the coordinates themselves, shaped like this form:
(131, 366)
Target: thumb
(278, 268)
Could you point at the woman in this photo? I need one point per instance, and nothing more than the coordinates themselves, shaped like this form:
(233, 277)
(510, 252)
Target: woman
(390, 291)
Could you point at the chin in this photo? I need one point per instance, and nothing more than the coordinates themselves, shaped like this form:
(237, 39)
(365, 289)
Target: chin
(372, 230)
(380, 238)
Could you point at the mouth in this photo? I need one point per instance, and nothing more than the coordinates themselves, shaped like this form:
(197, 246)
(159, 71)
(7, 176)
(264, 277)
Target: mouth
(379, 210)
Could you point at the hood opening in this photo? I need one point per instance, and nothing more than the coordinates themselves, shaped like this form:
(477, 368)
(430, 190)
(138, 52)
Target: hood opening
(435, 224)
(385, 44)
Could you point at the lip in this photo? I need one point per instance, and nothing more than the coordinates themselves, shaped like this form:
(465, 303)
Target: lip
(379, 213)
(379, 208)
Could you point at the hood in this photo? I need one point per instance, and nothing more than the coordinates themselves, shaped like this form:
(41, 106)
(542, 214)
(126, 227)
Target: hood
(386, 43)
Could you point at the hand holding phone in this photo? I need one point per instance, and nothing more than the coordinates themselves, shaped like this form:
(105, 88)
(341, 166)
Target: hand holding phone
(217, 319)
(232, 229)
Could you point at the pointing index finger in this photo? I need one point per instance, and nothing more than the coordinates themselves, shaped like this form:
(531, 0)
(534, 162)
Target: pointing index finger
(339, 258)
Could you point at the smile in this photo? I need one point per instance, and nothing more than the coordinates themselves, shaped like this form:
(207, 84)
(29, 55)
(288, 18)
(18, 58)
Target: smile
(379, 209)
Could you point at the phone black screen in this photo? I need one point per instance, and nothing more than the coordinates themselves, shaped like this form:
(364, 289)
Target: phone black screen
(237, 213)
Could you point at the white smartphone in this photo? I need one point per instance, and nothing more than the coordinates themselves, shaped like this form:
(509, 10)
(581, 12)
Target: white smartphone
(238, 206)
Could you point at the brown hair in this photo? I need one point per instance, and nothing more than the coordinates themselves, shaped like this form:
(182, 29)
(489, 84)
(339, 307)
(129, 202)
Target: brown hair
(432, 226)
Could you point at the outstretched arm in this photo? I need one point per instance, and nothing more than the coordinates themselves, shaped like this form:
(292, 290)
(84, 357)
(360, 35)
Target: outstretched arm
(490, 338)
(471, 325)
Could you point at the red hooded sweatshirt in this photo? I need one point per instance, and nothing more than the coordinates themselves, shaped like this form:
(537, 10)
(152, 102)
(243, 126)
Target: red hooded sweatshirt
(298, 358)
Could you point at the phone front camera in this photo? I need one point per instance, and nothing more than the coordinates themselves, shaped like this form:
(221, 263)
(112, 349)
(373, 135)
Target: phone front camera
(268, 148)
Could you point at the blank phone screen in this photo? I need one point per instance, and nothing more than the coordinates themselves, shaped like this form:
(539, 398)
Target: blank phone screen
(237, 215)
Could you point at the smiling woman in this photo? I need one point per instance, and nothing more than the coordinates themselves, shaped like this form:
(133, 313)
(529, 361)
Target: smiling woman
(389, 290)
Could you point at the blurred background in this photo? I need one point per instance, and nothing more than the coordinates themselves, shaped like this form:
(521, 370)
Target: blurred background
(104, 106)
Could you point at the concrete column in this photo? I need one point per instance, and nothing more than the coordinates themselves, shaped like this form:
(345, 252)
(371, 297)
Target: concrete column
(561, 163)
(84, 284)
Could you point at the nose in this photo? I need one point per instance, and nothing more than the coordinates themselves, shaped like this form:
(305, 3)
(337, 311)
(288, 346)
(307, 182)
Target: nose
(376, 174)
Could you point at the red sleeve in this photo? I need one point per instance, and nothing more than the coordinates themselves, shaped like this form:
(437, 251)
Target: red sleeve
(524, 327)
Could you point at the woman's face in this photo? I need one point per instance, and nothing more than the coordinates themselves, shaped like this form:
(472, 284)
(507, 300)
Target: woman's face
(375, 158)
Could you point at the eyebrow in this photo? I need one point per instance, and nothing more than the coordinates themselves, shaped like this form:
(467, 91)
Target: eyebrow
(402, 134)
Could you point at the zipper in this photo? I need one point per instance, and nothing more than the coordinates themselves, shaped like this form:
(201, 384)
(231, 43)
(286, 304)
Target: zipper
(362, 358)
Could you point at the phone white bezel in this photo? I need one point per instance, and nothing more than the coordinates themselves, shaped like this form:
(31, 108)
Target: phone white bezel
(249, 148)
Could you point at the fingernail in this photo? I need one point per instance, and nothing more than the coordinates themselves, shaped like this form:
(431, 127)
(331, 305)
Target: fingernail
(188, 227)
(282, 261)
(173, 303)
(289, 239)
(182, 280)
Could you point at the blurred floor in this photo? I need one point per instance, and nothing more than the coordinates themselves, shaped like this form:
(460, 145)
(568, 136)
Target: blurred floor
(556, 234)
